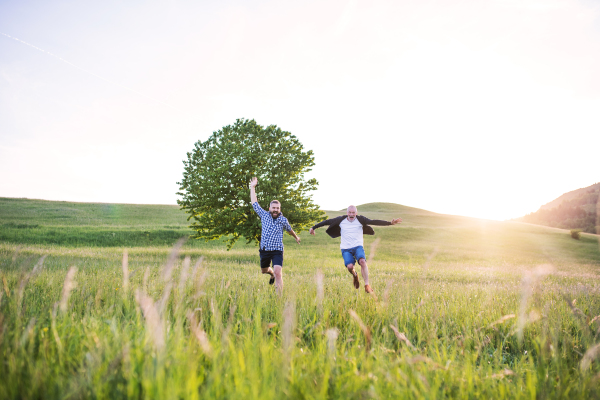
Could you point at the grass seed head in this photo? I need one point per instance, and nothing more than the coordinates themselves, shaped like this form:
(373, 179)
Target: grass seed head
(39, 264)
(125, 267)
(67, 287)
(402, 337)
(332, 335)
(363, 327)
(154, 323)
(319, 282)
(590, 355)
(289, 324)
(199, 333)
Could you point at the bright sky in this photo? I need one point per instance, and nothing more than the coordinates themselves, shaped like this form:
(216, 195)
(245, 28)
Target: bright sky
(479, 108)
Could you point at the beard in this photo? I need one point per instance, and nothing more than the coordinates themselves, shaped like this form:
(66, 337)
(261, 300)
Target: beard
(275, 214)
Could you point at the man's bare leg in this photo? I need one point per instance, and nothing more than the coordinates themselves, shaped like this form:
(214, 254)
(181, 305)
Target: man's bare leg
(278, 279)
(268, 271)
(364, 270)
(354, 274)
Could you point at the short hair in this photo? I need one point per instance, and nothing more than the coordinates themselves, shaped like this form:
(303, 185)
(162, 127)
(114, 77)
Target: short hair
(275, 201)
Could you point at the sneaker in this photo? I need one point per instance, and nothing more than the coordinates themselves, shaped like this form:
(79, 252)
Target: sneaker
(356, 282)
(368, 289)
(272, 280)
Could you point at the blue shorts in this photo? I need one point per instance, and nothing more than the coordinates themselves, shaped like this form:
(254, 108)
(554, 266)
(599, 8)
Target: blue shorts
(267, 258)
(355, 253)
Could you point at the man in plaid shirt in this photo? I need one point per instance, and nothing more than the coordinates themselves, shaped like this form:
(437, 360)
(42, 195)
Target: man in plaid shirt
(271, 242)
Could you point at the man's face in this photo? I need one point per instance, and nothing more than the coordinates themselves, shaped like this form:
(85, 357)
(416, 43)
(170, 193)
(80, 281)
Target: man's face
(275, 209)
(351, 213)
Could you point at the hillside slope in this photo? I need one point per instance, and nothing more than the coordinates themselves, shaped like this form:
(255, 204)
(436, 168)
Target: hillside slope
(79, 225)
(573, 194)
(573, 210)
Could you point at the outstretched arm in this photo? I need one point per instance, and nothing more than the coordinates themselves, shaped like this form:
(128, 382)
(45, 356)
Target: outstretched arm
(379, 222)
(322, 223)
(253, 184)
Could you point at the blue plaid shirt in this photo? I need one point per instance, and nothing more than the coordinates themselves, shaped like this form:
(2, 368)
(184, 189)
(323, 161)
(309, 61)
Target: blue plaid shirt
(272, 229)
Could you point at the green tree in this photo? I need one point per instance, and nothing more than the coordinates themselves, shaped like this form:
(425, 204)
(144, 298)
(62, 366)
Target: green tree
(215, 185)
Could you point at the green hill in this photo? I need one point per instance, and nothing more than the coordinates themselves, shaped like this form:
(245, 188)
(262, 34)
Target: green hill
(70, 224)
(577, 209)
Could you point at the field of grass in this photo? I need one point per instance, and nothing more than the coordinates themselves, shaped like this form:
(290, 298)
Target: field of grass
(464, 308)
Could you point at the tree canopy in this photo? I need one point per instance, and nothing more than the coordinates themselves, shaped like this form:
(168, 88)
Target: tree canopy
(215, 186)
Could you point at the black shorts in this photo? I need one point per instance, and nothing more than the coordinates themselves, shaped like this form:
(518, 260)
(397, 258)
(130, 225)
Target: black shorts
(270, 256)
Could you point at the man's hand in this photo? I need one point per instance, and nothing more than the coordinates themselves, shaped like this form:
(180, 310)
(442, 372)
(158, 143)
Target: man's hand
(297, 239)
(253, 183)
(312, 231)
(396, 221)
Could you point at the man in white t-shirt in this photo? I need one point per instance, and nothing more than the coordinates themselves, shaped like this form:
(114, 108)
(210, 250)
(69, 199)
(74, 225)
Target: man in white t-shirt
(351, 228)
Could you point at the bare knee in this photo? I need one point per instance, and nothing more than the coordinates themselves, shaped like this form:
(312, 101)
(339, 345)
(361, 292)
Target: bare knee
(362, 263)
(350, 267)
(277, 269)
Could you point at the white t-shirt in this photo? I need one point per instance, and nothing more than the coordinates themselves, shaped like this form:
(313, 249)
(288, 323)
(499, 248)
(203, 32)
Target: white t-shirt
(352, 234)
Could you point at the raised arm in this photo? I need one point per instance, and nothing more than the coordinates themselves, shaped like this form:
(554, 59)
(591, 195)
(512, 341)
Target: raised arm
(253, 184)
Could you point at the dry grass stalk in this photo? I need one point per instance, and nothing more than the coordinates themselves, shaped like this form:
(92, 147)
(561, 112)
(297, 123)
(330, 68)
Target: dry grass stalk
(590, 355)
(145, 279)
(319, 281)
(67, 287)
(20, 292)
(289, 324)
(169, 266)
(227, 330)
(419, 306)
(386, 292)
(154, 323)
(196, 268)
(574, 309)
(183, 278)
(1, 326)
(28, 333)
(363, 327)
(402, 337)
(528, 282)
(596, 318)
(501, 375)
(184, 273)
(528, 319)
(6, 289)
(332, 335)
(125, 267)
(39, 265)
(16, 253)
(200, 334)
(53, 326)
(501, 320)
(425, 359)
(373, 249)
(199, 282)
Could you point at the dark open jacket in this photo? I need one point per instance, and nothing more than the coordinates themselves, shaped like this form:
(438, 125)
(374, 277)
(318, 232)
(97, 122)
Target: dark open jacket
(334, 229)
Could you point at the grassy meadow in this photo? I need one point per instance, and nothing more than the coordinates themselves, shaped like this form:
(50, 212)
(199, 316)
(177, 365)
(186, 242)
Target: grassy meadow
(97, 301)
